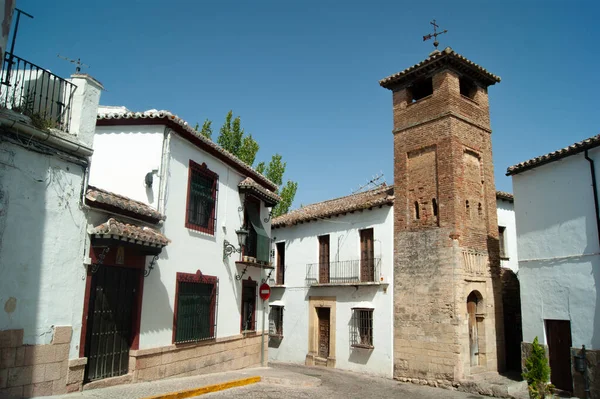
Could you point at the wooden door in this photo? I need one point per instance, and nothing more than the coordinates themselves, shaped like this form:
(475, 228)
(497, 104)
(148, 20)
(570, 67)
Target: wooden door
(323, 314)
(473, 333)
(324, 259)
(367, 263)
(280, 263)
(110, 318)
(559, 345)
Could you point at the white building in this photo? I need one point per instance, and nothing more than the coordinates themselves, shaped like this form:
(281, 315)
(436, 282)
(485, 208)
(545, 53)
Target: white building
(556, 210)
(505, 203)
(200, 195)
(327, 306)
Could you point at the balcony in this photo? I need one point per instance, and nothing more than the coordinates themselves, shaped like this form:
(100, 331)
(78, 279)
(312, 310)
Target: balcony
(37, 93)
(348, 272)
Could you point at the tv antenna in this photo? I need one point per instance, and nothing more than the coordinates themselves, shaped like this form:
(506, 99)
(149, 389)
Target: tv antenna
(76, 62)
(376, 181)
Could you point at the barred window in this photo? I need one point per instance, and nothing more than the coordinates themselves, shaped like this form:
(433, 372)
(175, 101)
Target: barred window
(276, 321)
(195, 308)
(201, 212)
(361, 334)
(248, 305)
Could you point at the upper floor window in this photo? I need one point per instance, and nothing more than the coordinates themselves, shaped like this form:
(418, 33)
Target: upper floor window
(201, 212)
(467, 87)
(280, 263)
(501, 238)
(258, 243)
(420, 89)
(367, 256)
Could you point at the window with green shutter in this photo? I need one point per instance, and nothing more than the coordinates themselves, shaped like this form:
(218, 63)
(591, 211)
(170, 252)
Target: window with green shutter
(201, 212)
(195, 308)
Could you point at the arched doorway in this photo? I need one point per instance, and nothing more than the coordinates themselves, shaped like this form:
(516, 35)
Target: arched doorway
(474, 310)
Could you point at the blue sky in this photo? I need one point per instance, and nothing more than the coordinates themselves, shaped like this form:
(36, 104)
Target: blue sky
(303, 75)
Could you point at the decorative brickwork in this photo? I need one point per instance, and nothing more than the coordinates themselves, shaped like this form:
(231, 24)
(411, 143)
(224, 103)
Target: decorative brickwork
(443, 151)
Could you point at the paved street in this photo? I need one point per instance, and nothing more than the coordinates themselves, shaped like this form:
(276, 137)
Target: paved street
(339, 384)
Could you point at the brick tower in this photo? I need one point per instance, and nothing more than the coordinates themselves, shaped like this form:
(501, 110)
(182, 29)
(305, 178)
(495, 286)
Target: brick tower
(447, 287)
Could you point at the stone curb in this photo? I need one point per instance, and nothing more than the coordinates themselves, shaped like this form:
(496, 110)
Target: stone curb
(189, 393)
(314, 382)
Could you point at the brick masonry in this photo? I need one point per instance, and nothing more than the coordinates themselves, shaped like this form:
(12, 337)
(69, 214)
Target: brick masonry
(443, 152)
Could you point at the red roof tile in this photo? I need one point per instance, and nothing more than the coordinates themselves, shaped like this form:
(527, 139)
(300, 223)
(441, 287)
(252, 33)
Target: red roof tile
(99, 198)
(133, 233)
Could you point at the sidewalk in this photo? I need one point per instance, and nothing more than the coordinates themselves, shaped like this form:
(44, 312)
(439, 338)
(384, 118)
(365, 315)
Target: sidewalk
(145, 389)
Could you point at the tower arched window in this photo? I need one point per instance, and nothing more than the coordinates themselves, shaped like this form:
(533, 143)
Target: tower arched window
(467, 210)
(434, 207)
(479, 210)
(417, 216)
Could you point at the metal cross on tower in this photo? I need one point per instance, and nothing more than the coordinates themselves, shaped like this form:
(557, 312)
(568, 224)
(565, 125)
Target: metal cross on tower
(435, 34)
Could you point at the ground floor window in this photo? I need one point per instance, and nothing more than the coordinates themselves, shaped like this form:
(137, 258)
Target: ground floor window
(276, 322)
(248, 305)
(362, 328)
(195, 308)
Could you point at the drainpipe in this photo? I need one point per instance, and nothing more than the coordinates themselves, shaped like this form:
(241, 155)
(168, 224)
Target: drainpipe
(164, 161)
(595, 188)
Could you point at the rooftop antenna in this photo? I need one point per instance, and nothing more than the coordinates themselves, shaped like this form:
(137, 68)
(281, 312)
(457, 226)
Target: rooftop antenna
(376, 181)
(76, 62)
(435, 34)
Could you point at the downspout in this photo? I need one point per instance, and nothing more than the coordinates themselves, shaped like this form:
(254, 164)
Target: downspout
(595, 188)
(164, 161)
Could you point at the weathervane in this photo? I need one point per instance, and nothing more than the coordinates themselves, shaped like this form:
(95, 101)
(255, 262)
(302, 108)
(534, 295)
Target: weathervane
(435, 34)
(76, 62)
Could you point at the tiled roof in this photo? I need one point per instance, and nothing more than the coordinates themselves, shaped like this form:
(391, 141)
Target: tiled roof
(505, 196)
(130, 232)
(383, 195)
(270, 198)
(556, 155)
(435, 59)
(124, 116)
(99, 198)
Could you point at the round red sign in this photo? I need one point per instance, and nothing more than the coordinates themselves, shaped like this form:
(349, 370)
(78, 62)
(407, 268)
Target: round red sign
(264, 291)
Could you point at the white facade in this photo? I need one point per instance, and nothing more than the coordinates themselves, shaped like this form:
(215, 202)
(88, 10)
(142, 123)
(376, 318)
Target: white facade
(302, 248)
(506, 219)
(559, 259)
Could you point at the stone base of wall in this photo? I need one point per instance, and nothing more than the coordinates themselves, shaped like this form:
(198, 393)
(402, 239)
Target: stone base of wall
(33, 370)
(312, 359)
(593, 374)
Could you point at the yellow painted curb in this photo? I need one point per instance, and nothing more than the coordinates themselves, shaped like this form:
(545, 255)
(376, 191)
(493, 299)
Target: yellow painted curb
(189, 393)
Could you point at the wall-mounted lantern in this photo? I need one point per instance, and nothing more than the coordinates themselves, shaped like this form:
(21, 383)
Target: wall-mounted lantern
(580, 364)
(229, 248)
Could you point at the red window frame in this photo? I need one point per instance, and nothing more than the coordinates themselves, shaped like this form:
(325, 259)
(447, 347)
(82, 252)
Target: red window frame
(245, 285)
(197, 277)
(212, 221)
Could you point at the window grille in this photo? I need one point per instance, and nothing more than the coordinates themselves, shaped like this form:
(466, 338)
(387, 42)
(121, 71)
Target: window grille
(248, 305)
(201, 212)
(361, 334)
(276, 321)
(195, 308)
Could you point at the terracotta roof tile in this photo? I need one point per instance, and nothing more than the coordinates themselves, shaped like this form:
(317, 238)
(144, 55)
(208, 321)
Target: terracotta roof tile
(97, 197)
(270, 198)
(383, 195)
(573, 149)
(436, 57)
(183, 128)
(505, 196)
(134, 233)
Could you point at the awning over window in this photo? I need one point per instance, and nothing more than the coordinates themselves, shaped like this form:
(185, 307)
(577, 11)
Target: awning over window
(278, 303)
(363, 305)
(143, 236)
(263, 240)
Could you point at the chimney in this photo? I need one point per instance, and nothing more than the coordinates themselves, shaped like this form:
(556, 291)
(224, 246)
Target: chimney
(85, 107)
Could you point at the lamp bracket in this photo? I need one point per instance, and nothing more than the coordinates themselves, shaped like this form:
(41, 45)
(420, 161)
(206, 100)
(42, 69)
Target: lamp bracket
(264, 280)
(241, 276)
(150, 266)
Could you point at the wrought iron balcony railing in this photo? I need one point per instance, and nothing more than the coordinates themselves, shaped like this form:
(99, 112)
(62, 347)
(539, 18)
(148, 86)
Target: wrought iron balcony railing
(344, 272)
(36, 92)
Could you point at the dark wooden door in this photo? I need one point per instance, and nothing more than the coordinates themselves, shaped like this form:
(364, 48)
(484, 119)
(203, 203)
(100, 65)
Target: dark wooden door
(110, 321)
(280, 263)
(559, 345)
(323, 314)
(473, 333)
(367, 263)
(324, 259)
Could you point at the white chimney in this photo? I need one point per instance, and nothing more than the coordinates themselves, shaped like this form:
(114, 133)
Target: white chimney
(84, 108)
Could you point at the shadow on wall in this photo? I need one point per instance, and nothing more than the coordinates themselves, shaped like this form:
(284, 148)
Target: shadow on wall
(157, 314)
(493, 248)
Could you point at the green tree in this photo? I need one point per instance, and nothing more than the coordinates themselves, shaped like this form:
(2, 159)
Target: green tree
(274, 171)
(537, 372)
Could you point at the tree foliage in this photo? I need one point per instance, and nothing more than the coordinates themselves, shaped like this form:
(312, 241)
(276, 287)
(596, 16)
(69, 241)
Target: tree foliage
(233, 139)
(537, 372)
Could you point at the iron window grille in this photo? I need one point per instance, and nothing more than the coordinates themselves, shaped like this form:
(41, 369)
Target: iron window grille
(201, 208)
(276, 322)
(248, 322)
(195, 308)
(361, 333)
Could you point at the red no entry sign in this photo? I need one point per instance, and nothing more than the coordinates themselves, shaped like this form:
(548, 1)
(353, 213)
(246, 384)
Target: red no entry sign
(264, 291)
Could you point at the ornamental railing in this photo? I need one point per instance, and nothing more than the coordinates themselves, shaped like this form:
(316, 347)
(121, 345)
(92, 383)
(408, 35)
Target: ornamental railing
(344, 272)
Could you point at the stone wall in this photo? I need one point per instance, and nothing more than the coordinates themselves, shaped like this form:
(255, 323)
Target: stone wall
(33, 370)
(593, 374)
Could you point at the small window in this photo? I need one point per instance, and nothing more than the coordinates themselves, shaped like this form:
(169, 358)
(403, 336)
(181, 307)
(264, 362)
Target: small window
(248, 305)
(280, 263)
(420, 89)
(434, 207)
(467, 87)
(467, 210)
(276, 322)
(479, 209)
(195, 304)
(362, 328)
(501, 239)
(417, 216)
(201, 212)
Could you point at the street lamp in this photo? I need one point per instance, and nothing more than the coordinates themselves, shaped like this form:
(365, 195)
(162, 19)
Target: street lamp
(229, 248)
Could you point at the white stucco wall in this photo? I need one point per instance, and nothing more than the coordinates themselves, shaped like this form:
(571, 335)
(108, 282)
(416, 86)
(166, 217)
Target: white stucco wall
(42, 241)
(506, 218)
(301, 248)
(559, 262)
(122, 157)
(190, 251)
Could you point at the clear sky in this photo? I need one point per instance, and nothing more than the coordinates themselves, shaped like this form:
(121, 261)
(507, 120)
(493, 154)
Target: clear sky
(303, 75)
